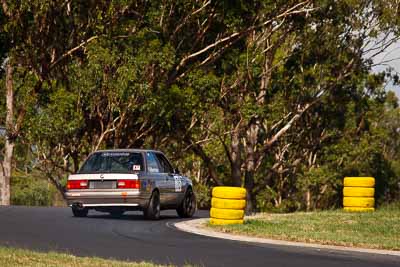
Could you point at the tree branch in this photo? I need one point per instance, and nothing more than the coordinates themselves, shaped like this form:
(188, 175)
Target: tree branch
(69, 52)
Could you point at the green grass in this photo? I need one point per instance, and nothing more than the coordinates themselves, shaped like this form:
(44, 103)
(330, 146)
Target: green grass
(19, 257)
(379, 229)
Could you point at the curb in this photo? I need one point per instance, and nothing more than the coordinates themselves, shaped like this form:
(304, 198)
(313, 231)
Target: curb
(196, 227)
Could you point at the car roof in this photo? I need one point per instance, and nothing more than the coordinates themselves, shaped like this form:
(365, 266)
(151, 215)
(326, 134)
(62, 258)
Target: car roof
(127, 150)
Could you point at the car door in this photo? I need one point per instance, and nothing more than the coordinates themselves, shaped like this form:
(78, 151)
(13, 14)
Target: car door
(174, 181)
(156, 175)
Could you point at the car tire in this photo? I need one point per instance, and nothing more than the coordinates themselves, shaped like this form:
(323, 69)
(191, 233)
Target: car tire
(229, 192)
(227, 214)
(235, 204)
(362, 202)
(152, 212)
(82, 212)
(359, 181)
(358, 192)
(188, 206)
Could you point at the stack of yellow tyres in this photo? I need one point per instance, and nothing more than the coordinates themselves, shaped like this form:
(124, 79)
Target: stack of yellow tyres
(358, 194)
(227, 205)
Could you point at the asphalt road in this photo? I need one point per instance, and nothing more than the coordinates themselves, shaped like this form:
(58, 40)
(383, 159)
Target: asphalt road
(134, 239)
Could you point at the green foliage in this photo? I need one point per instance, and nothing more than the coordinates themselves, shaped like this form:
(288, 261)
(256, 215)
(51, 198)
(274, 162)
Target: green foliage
(285, 102)
(203, 195)
(30, 190)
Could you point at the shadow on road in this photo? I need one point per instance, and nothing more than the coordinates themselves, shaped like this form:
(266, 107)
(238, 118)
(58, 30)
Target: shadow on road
(130, 217)
(138, 216)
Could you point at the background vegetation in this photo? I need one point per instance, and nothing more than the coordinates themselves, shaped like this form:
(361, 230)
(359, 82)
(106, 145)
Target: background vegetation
(275, 96)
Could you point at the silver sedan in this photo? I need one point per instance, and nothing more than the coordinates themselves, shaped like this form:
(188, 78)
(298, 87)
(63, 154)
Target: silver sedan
(121, 180)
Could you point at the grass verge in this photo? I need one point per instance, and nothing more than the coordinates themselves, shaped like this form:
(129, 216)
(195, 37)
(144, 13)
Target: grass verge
(379, 229)
(20, 257)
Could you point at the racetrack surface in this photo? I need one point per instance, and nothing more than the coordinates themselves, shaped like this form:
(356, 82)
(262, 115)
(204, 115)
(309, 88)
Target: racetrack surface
(135, 239)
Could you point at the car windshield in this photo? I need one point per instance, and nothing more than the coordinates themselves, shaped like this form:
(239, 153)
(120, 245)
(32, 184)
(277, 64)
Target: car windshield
(113, 162)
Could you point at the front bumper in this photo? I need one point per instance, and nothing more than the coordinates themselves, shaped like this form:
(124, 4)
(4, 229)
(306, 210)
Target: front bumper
(97, 199)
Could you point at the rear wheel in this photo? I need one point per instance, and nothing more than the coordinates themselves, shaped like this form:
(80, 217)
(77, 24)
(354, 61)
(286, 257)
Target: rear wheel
(80, 212)
(188, 206)
(152, 212)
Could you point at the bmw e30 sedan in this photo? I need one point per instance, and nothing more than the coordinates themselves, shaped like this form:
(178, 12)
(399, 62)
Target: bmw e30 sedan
(116, 181)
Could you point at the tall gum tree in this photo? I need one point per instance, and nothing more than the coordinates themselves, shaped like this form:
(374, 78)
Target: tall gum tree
(281, 65)
(41, 38)
(6, 163)
(225, 80)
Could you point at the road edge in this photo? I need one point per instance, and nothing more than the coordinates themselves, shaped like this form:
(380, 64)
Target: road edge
(195, 226)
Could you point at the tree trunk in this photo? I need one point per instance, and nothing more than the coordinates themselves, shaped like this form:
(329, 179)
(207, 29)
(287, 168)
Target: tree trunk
(251, 141)
(252, 134)
(236, 161)
(2, 183)
(308, 200)
(198, 150)
(5, 176)
(250, 198)
(75, 160)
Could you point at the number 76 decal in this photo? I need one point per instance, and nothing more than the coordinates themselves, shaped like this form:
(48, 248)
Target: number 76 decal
(178, 183)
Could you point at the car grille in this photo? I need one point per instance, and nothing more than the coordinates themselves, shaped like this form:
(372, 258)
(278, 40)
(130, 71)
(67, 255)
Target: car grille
(102, 184)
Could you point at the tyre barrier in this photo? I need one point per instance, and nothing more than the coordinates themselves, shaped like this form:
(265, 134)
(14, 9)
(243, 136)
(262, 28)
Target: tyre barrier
(228, 214)
(358, 194)
(228, 192)
(362, 202)
(227, 205)
(220, 203)
(359, 182)
(215, 221)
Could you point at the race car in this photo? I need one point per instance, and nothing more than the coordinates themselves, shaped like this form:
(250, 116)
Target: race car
(120, 180)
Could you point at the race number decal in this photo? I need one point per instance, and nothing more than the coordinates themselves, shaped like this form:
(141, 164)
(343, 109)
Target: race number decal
(178, 183)
(136, 167)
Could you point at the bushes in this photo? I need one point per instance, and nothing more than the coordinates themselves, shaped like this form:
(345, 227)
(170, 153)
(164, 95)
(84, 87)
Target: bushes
(203, 195)
(30, 190)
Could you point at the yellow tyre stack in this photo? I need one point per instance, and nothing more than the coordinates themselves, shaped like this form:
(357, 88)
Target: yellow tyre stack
(227, 205)
(358, 194)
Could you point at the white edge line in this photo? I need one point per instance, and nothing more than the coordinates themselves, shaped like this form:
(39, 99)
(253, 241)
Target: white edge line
(192, 227)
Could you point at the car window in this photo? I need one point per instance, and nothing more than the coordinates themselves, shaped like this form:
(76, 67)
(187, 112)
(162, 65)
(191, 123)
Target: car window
(152, 164)
(108, 162)
(165, 165)
(93, 164)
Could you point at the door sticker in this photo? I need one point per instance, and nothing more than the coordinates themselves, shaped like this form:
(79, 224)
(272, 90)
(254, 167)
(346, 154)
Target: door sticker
(178, 183)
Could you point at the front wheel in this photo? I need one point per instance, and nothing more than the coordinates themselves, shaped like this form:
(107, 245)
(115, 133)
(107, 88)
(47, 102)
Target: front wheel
(82, 212)
(188, 206)
(152, 212)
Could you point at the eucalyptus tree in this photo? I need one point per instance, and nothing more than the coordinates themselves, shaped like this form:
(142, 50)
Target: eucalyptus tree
(240, 84)
(303, 55)
(40, 38)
